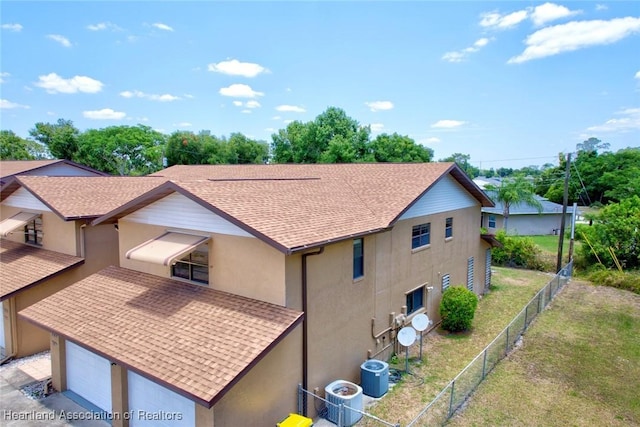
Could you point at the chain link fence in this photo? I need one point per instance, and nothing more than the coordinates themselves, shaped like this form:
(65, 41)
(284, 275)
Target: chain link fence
(451, 398)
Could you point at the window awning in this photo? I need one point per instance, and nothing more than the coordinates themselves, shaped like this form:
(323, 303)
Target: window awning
(15, 222)
(165, 248)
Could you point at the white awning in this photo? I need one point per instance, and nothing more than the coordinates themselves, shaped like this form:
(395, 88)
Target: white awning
(15, 222)
(165, 248)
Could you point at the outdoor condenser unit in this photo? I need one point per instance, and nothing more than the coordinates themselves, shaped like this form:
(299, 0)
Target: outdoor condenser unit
(374, 377)
(350, 396)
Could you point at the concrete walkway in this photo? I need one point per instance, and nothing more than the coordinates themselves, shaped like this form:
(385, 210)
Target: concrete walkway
(18, 409)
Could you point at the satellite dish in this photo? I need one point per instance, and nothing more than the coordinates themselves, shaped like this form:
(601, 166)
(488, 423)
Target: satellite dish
(420, 322)
(407, 336)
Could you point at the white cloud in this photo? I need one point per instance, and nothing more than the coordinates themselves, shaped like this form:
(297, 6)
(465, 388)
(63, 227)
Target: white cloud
(5, 74)
(550, 12)
(290, 109)
(183, 124)
(237, 103)
(276, 118)
(53, 83)
(629, 121)
(270, 129)
(601, 7)
(252, 104)
(161, 26)
(495, 20)
(379, 105)
(286, 122)
(102, 26)
(188, 96)
(104, 114)
(637, 76)
(60, 39)
(237, 68)
(376, 127)
(433, 140)
(153, 97)
(239, 91)
(460, 55)
(5, 104)
(575, 35)
(16, 28)
(246, 111)
(447, 124)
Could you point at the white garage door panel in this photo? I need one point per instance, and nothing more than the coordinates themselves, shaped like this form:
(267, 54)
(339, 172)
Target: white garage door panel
(153, 405)
(89, 376)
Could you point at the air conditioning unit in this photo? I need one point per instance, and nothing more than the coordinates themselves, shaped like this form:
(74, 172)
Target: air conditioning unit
(374, 377)
(345, 402)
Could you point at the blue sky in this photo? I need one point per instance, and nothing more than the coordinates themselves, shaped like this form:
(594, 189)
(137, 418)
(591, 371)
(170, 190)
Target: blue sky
(509, 83)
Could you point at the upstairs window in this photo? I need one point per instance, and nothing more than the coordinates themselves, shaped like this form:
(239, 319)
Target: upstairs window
(193, 266)
(415, 300)
(448, 228)
(33, 231)
(420, 235)
(492, 221)
(358, 258)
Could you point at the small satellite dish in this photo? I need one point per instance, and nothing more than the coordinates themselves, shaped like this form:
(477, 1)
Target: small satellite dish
(420, 322)
(407, 336)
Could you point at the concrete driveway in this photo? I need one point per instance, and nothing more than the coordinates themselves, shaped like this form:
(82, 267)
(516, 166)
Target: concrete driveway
(18, 409)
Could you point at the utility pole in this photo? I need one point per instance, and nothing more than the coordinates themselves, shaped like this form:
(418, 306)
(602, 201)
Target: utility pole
(565, 201)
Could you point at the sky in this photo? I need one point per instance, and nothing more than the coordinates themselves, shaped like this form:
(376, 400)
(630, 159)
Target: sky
(509, 83)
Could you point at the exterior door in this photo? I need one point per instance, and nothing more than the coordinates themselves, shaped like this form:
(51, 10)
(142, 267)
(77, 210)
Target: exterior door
(89, 376)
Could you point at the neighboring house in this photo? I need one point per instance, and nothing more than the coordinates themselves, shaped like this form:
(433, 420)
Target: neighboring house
(524, 219)
(237, 283)
(46, 245)
(53, 167)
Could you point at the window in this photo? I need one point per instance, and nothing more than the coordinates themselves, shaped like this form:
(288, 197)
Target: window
(492, 221)
(194, 266)
(358, 258)
(415, 300)
(448, 228)
(33, 231)
(420, 235)
(445, 282)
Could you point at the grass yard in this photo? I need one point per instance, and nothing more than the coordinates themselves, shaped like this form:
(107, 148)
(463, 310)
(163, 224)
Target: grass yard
(445, 355)
(549, 243)
(579, 365)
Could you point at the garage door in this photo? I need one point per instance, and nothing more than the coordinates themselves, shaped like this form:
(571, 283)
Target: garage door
(2, 325)
(89, 376)
(154, 405)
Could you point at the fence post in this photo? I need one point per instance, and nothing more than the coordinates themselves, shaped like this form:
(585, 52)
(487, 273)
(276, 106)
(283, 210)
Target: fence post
(484, 364)
(507, 349)
(539, 302)
(300, 398)
(526, 315)
(340, 411)
(453, 384)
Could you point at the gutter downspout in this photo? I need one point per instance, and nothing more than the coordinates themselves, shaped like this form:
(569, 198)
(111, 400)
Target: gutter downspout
(305, 335)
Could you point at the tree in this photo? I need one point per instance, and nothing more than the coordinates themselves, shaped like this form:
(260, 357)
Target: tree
(592, 144)
(13, 147)
(242, 150)
(121, 150)
(60, 138)
(512, 192)
(462, 160)
(397, 148)
(616, 226)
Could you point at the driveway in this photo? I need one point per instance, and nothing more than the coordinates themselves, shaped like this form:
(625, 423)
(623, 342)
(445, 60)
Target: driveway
(19, 409)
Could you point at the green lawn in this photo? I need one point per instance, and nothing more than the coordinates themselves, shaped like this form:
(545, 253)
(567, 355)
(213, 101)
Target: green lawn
(579, 365)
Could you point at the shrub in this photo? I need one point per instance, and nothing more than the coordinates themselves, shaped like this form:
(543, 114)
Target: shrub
(616, 279)
(519, 251)
(457, 308)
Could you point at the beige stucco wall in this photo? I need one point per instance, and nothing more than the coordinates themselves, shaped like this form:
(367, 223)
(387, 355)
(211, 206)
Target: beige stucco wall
(268, 393)
(57, 235)
(241, 265)
(341, 310)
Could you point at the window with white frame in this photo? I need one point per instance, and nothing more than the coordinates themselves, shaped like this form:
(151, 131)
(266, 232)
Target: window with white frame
(415, 300)
(193, 266)
(420, 235)
(33, 231)
(448, 228)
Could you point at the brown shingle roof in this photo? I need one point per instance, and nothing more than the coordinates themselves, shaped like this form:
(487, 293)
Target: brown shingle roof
(192, 339)
(23, 266)
(82, 197)
(17, 167)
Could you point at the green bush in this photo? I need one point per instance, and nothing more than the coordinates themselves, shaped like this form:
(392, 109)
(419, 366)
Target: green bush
(616, 279)
(457, 308)
(519, 251)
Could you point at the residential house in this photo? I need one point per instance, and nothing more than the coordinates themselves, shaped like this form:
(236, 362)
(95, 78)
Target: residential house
(51, 167)
(237, 283)
(524, 219)
(46, 245)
